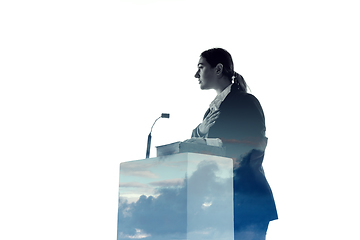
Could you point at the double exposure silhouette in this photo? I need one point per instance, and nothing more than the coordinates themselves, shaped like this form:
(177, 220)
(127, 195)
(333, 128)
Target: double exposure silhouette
(199, 196)
(237, 118)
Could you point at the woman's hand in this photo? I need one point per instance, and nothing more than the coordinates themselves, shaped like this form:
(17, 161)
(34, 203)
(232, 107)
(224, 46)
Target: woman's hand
(208, 122)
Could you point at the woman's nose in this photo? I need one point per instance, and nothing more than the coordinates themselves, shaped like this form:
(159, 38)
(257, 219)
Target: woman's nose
(197, 74)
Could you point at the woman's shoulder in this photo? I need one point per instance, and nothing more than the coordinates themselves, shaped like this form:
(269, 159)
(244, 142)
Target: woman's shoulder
(251, 98)
(244, 96)
(244, 101)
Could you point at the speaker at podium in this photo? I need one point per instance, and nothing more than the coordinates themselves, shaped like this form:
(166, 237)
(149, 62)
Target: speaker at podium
(192, 190)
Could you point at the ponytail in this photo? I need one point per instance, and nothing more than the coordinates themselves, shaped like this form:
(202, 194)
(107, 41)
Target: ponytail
(240, 82)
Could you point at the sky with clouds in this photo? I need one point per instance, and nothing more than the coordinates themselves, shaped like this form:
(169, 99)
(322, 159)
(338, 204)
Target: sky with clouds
(81, 83)
(176, 208)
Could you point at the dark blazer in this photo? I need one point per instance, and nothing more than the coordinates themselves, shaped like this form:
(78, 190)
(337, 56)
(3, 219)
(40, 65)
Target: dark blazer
(241, 127)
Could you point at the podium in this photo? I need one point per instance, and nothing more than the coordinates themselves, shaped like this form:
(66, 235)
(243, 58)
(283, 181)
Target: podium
(184, 196)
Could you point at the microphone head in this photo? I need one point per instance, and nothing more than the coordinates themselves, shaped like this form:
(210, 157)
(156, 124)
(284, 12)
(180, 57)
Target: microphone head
(165, 115)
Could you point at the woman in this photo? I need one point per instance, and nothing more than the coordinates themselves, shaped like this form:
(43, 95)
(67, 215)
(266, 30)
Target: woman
(236, 118)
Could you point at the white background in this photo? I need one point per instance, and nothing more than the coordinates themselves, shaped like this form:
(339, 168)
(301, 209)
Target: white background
(83, 81)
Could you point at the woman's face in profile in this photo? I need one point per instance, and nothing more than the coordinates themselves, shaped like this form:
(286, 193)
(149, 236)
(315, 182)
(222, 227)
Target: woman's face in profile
(206, 74)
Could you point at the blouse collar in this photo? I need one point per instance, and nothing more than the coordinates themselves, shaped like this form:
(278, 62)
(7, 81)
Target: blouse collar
(215, 104)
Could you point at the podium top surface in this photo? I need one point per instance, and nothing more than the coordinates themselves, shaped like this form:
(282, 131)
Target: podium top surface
(182, 156)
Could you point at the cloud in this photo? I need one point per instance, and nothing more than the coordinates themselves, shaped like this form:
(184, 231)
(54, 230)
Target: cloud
(138, 235)
(134, 165)
(138, 170)
(167, 215)
(131, 191)
(136, 173)
(133, 185)
(206, 205)
(168, 183)
(157, 217)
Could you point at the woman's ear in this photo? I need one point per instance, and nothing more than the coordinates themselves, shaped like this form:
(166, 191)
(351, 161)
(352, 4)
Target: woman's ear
(219, 68)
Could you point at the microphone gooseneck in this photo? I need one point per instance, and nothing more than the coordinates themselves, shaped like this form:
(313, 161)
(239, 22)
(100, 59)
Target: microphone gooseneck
(163, 115)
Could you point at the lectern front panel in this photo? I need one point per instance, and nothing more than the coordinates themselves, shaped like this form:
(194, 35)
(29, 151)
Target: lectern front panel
(180, 196)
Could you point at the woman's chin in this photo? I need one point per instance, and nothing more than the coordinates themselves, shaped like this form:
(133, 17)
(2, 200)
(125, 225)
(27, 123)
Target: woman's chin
(202, 86)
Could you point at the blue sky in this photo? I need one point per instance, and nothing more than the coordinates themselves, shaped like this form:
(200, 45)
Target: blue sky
(144, 177)
(190, 207)
(82, 82)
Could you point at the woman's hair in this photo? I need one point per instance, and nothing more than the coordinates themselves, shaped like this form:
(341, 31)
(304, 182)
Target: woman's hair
(215, 56)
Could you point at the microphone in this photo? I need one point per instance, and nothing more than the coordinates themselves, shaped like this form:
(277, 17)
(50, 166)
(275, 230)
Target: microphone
(163, 115)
